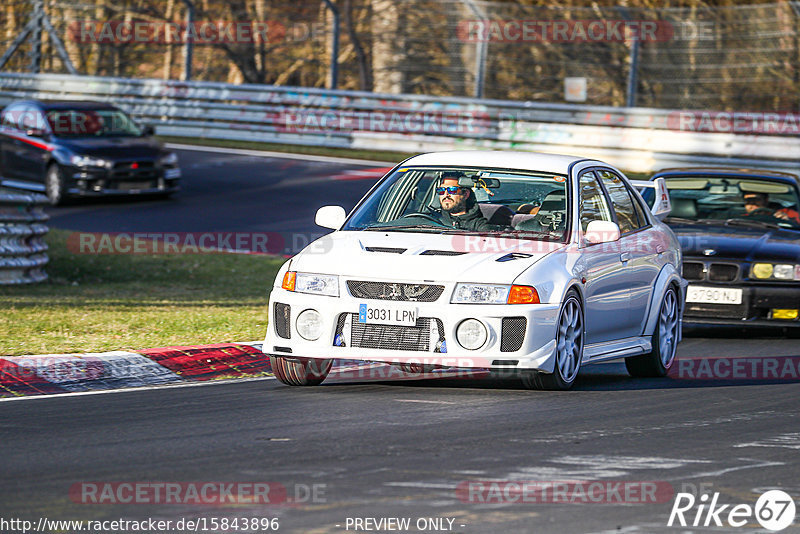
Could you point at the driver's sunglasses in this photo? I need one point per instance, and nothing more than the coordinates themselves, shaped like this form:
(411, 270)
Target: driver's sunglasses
(751, 201)
(452, 190)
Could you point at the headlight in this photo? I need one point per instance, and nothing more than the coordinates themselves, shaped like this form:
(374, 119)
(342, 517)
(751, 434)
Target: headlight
(480, 294)
(494, 294)
(309, 325)
(315, 284)
(88, 161)
(169, 159)
(471, 334)
(779, 271)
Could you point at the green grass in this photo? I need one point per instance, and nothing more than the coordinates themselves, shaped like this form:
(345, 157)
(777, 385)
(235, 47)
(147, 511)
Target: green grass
(95, 303)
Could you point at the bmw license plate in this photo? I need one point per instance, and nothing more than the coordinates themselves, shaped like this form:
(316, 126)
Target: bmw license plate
(387, 314)
(714, 295)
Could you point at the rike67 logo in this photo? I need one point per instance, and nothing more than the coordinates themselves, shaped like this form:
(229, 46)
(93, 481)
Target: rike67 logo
(774, 510)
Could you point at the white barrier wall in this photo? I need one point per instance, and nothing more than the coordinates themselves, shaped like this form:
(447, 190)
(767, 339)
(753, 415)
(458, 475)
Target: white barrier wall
(636, 139)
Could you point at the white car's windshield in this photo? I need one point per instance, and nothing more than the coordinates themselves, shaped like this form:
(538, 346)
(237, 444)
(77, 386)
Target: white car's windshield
(744, 200)
(528, 205)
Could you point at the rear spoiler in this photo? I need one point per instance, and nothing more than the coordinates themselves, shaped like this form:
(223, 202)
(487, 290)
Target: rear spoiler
(661, 205)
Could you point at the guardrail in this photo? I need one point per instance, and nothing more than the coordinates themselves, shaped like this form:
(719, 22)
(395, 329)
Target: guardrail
(22, 250)
(638, 139)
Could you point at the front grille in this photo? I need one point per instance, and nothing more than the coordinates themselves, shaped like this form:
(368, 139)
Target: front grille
(282, 315)
(722, 272)
(512, 333)
(391, 337)
(712, 271)
(144, 171)
(693, 270)
(390, 291)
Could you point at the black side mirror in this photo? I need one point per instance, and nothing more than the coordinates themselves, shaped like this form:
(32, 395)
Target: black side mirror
(36, 132)
(148, 130)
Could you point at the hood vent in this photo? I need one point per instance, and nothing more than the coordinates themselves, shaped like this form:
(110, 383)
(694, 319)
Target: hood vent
(388, 250)
(441, 253)
(514, 256)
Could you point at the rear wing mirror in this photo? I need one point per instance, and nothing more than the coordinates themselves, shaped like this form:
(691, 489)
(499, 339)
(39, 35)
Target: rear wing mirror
(660, 206)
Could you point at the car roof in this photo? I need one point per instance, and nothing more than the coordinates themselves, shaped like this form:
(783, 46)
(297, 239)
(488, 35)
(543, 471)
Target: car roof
(530, 161)
(729, 172)
(51, 105)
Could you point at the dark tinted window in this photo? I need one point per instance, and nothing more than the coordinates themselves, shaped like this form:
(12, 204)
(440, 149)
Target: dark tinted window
(627, 217)
(593, 202)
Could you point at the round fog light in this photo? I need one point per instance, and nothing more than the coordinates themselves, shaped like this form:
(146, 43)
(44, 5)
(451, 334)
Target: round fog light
(309, 325)
(471, 334)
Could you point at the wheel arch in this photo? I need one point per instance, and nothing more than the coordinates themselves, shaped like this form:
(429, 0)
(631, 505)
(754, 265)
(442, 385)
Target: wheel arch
(667, 277)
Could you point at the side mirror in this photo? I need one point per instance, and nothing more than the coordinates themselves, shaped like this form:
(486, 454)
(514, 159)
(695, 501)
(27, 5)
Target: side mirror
(36, 132)
(148, 130)
(601, 232)
(330, 217)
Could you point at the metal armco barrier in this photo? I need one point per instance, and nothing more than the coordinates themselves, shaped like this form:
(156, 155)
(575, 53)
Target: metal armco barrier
(22, 251)
(637, 139)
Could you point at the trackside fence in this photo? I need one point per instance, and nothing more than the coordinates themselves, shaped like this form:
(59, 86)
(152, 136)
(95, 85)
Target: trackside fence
(637, 139)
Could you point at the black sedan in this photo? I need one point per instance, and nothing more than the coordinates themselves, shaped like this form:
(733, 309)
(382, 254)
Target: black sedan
(67, 149)
(740, 235)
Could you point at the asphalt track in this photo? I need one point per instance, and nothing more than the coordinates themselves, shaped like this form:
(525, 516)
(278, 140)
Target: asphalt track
(380, 448)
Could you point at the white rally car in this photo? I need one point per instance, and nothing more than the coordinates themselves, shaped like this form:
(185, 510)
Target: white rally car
(486, 260)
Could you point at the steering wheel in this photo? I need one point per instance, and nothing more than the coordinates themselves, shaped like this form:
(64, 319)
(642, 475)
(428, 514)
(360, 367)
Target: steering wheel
(425, 216)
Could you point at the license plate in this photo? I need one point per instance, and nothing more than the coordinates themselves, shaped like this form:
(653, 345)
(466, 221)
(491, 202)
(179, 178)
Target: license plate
(714, 295)
(386, 314)
(172, 173)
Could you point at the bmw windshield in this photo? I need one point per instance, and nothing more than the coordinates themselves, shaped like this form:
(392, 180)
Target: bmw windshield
(733, 201)
(527, 205)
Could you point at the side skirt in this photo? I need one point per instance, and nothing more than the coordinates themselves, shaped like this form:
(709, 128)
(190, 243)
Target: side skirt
(621, 348)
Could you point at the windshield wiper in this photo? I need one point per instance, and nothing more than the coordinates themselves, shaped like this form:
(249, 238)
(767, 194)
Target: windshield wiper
(406, 227)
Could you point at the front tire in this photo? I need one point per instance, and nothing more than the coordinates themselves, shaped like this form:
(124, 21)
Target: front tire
(659, 361)
(569, 349)
(54, 185)
(300, 371)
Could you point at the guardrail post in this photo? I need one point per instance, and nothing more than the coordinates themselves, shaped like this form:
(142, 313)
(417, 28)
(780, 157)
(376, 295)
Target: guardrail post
(334, 44)
(188, 47)
(22, 250)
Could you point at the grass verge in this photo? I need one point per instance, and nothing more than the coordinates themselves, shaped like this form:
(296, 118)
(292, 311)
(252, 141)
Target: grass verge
(94, 303)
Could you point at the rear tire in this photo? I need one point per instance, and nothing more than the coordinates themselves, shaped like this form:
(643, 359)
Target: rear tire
(300, 371)
(54, 185)
(569, 349)
(658, 362)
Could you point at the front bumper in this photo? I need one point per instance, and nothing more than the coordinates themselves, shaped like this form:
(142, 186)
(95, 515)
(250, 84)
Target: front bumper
(438, 320)
(758, 303)
(122, 180)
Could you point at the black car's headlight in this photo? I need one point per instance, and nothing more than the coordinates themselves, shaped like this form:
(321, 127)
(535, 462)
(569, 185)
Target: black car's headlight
(169, 159)
(88, 161)
(775, 271)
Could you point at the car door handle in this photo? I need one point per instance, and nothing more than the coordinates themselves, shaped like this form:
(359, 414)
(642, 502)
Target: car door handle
(625, 256)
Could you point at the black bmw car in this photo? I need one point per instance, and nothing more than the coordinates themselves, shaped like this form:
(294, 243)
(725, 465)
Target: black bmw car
(740, 234)
(68, 149)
